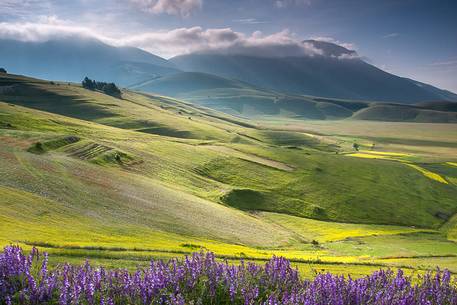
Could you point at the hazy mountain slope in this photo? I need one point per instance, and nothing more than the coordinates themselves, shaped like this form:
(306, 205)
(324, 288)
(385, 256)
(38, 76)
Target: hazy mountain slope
(185, 82)
(255, 103)
(336, 74)
(236, 97)
(404, 113)
(73, 58)
(439, 105)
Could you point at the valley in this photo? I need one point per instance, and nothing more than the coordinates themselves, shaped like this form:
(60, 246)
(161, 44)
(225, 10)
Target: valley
(121, 180)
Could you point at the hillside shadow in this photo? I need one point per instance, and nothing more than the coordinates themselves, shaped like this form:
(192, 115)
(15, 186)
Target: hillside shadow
(32, 96)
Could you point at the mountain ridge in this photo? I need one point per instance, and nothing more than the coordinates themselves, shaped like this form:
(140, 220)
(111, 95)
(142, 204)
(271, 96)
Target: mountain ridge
(73, 59)
(336, 72)
(328, 77)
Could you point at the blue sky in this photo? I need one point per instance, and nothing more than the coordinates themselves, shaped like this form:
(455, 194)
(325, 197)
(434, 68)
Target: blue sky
(412, 38)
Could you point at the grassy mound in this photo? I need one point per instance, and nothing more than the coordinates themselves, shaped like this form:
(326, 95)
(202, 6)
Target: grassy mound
(40, 147)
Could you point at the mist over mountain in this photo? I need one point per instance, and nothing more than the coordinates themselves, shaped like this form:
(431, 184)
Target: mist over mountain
(71, 59)
(330, 49)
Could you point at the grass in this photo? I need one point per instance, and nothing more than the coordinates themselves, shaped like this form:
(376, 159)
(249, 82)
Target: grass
(429, 174)
(370, 156)
(398, 157)
(384, 153)
(324, 231)
(318, 188)
(124, 180)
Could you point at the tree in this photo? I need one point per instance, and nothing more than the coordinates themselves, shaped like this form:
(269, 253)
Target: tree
(88, 83)
(3, 70)
(356, 146)
(107, 88)
(111, 89)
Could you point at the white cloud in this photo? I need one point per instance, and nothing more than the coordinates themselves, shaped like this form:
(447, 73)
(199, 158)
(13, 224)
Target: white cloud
(170, 43)
(171, 7)
(391, 35)
(49, 28)
(347, 45)
(24, 8)
(287, 3)
(221, 41)
(444, 63)
(249, 21)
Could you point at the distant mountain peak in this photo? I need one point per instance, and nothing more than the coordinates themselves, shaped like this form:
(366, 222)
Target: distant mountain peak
(330, 49)
(73, 58)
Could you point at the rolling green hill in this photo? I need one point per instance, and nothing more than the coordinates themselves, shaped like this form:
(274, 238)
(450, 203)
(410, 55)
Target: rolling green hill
(403, 113)
(86, 174)
(242, 99)
(173, 85)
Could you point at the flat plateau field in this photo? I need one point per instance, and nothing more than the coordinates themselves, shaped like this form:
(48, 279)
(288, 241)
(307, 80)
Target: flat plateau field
(86, 175)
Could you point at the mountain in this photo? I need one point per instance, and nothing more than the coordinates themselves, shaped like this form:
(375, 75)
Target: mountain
(239, 98)
(330, 49)
(242, 99)
(407, 113)
(241, 85)
(337, 73)
(186, 82)
(72, 59)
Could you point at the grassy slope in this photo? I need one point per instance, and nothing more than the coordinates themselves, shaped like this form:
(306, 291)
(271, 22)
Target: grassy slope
(187, 82)
(127, 197)
(149, 201)
(397, 113)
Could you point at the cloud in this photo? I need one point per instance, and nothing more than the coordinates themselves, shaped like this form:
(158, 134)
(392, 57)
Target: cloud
(444, 63)
(170, 43)
(221, 41)
(171, 7)
(173, 42)
(50, 27)
(249, 21)
(23, 9)
(288, 3)
(347, 45)
(391, 35)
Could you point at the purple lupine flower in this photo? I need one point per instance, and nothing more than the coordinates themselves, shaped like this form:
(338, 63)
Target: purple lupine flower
(201, 279)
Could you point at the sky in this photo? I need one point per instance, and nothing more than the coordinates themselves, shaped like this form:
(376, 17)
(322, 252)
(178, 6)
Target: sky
(410, 38)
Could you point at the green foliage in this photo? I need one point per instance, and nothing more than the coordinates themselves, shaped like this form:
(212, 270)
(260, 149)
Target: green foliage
(53, 144)
(107, 88)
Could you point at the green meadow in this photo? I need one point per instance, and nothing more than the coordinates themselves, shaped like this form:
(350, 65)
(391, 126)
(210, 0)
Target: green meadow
(123, 180)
